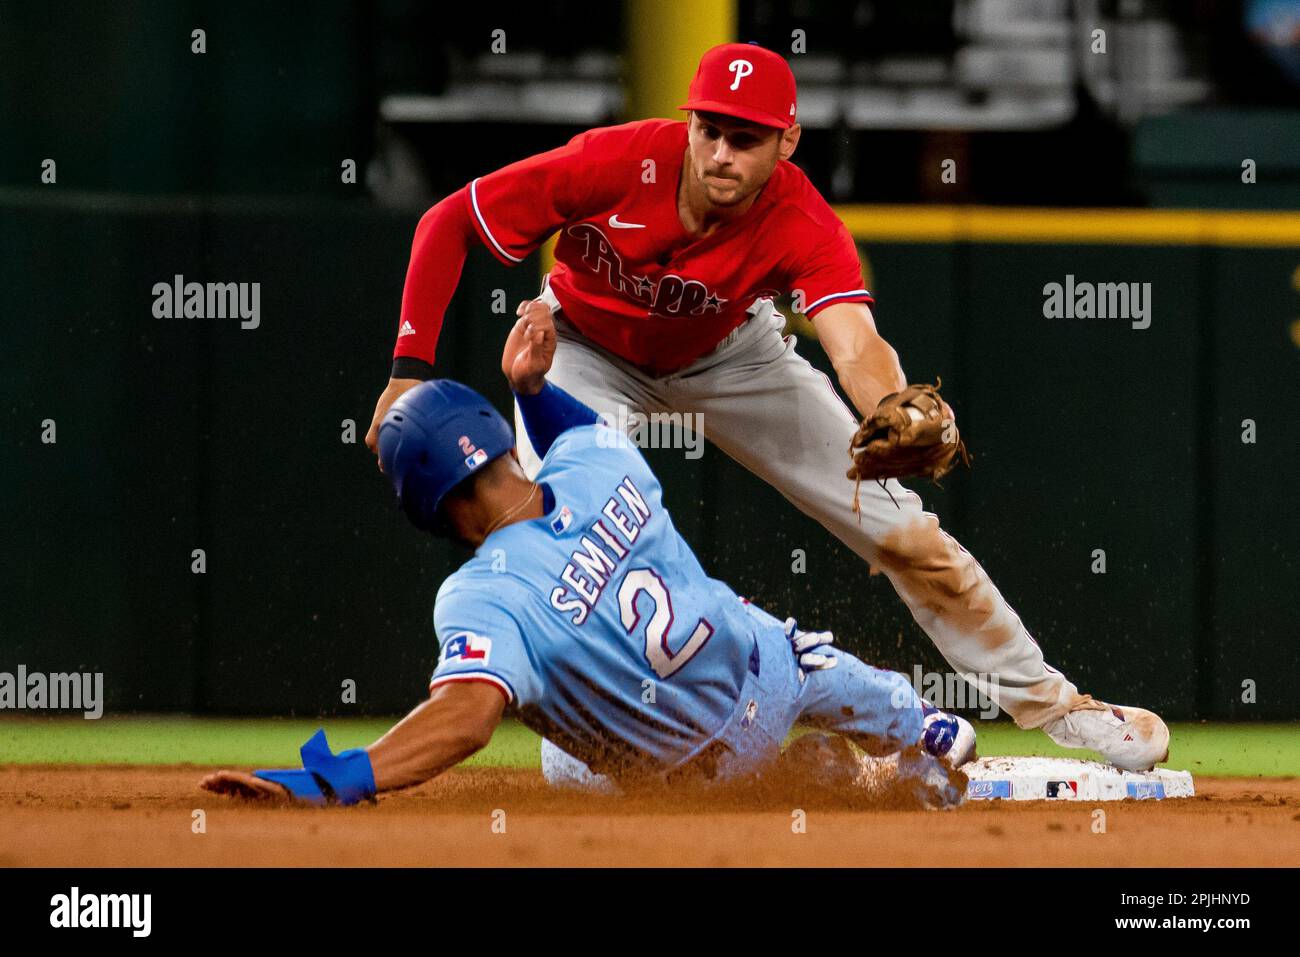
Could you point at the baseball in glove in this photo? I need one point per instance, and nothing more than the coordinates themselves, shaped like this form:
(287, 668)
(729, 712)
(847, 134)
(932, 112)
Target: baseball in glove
(912, 433)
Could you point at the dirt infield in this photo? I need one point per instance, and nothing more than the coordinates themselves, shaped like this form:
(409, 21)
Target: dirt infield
(142, 816)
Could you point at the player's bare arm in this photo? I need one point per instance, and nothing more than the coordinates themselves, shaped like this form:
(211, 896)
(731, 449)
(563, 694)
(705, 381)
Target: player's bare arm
(867, 365)
(456, 721)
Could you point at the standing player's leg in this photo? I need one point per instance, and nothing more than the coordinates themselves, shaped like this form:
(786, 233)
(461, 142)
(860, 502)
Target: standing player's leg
(769, 409)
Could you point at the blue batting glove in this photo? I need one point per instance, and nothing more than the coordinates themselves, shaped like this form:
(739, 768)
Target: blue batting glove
(327, 778)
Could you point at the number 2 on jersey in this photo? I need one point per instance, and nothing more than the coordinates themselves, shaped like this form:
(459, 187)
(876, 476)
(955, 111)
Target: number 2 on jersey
(662, 659)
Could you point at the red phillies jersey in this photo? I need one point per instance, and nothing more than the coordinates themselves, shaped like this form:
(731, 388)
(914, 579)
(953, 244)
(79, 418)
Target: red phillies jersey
(627, 273)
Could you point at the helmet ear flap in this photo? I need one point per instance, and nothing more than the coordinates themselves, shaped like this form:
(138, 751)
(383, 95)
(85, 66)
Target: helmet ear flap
(410, 458)
(439, 526)
(416, 509)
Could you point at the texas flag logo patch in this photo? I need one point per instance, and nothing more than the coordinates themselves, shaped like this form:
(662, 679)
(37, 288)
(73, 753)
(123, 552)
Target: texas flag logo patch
(561, 522)
(466, 646)
(476, 459)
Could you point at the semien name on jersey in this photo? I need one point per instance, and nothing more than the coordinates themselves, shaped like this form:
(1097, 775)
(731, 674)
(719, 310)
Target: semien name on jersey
(600, 551)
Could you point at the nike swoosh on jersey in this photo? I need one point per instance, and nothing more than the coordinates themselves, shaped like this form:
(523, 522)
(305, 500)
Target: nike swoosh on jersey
(613, 221)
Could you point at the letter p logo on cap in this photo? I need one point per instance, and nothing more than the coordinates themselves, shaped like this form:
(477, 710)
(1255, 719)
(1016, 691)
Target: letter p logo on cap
(742, 69)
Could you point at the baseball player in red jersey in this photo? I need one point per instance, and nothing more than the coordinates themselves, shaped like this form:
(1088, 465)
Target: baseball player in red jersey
(673, 239)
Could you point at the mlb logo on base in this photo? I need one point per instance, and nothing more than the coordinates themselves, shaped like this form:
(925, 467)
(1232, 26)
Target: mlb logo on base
(1063, 789)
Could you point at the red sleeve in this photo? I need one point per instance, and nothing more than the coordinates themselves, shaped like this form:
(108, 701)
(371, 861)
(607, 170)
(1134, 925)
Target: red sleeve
(516, 208)
(511, 211)
(830, 272)
(442, 241)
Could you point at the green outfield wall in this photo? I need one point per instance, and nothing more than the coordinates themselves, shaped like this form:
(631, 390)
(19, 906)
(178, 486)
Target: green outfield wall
(177, 434)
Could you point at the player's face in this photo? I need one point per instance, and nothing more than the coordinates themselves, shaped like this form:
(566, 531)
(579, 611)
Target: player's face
(732, 159)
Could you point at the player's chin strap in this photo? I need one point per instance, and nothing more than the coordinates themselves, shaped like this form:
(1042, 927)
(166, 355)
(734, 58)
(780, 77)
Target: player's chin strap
(328, 778)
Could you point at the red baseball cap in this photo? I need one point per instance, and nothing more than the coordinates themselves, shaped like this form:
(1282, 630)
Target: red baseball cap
(746, 81)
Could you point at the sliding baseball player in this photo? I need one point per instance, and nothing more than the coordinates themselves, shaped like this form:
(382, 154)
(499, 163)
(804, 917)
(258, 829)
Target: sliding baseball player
(600, 630)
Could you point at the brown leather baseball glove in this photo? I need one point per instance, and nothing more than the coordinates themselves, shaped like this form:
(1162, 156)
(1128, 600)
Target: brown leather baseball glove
(912, 433)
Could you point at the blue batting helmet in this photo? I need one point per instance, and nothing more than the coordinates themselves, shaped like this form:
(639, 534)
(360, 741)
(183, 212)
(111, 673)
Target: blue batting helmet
(435, 436)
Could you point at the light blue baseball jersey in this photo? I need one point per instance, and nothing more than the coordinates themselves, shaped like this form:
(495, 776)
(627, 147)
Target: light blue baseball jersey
(596, 620)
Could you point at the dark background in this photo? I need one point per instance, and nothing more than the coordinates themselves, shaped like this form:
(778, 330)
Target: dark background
(185, 433)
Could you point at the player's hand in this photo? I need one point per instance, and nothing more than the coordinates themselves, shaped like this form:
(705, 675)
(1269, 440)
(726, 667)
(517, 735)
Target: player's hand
(386, 398)
(241, 784)
(530, 348)
(804, 644)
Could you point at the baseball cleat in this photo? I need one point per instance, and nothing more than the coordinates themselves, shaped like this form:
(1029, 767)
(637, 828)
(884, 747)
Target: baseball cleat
(1132, 739)
(948, 737)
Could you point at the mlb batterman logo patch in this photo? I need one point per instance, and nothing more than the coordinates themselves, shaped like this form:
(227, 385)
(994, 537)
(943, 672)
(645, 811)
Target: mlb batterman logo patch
(466, 646)
(562, 521)
(476, 459)
(1063, 789)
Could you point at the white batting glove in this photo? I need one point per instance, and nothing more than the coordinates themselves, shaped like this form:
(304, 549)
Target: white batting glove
(804, 645)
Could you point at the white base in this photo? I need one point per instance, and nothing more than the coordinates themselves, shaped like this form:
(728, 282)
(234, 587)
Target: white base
(1069, 779)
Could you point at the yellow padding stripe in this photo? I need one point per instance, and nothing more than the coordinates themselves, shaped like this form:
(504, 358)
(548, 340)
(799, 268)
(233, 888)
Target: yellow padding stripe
(1009, 224)
(1037, 224)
